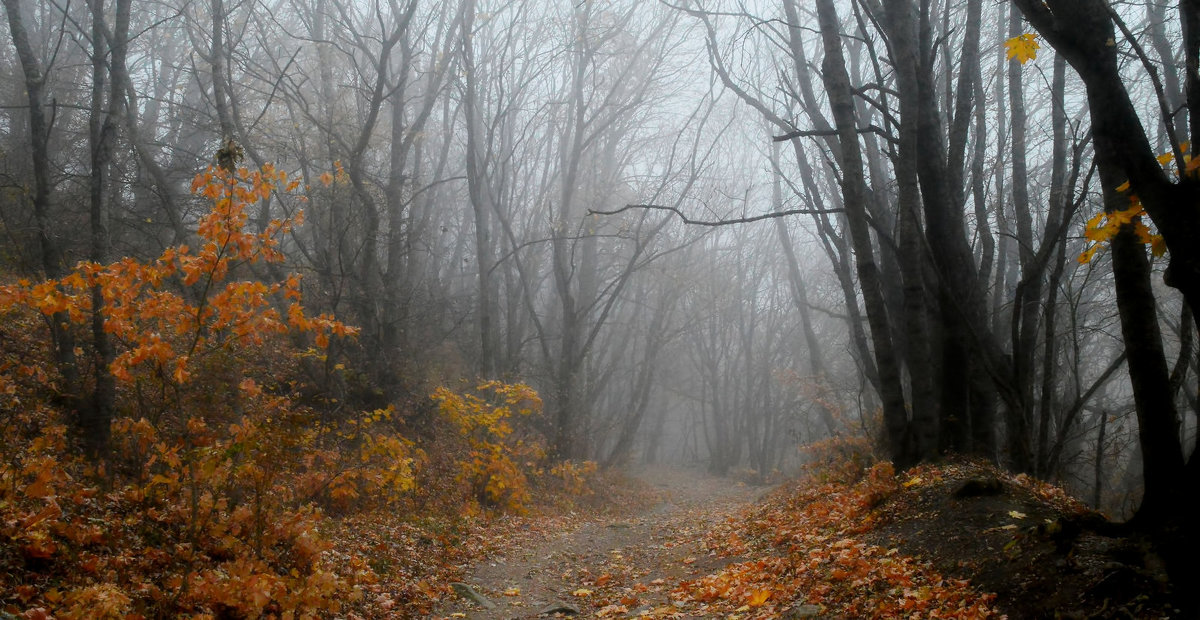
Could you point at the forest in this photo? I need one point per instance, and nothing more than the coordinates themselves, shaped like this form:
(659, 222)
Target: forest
(312, 308)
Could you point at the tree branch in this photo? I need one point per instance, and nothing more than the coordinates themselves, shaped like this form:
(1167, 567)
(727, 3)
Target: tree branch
(815, 133)
(740, 220)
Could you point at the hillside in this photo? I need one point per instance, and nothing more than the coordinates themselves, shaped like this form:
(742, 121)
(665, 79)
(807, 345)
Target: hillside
(958, 540)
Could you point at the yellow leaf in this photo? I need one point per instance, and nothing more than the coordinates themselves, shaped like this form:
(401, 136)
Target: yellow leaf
(1124, 187)
(1158, 246)
(759, 597)
(1143, 232)
(912, 482)
(1016, 515)
(581, 592)
(1024, 47)
(1165, 158)
(513, 591)
(1086, 256)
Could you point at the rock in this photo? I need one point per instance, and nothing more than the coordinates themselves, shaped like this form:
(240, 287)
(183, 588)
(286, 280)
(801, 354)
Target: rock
(805, 611)
(980, 487)
(465, 591)
(559, 608)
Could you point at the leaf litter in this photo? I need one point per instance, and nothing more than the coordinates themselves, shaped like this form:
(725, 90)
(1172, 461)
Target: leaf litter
(835, 544)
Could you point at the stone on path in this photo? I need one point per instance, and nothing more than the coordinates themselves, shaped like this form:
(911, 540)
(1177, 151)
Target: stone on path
(469, 593)
(559, 608)
(805, 611)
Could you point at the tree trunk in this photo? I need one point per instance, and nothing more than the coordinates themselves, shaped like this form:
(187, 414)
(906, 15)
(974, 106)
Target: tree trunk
(837, 84)
(1083, 32)
(39, 134)
(96, 417)
(481, 206)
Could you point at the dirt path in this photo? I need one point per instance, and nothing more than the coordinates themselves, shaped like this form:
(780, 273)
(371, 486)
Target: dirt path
(611, 567)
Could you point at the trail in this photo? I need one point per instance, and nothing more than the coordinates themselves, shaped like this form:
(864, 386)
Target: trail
(612, 567)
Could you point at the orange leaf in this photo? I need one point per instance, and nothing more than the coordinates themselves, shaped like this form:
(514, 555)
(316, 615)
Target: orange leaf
(49, 511)
(41, 485)
(759, 597)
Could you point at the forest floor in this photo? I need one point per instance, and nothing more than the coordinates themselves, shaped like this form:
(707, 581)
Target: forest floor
(958, 540)
(621, 562)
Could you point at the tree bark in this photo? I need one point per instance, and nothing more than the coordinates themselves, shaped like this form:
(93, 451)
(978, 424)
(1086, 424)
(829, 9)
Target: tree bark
(837, 84)
(1083, 31)
(96, 417)
(39, 134)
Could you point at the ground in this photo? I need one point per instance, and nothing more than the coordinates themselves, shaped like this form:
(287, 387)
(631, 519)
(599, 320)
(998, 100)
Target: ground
(1041, 552)
(956, 540)
(628, 559)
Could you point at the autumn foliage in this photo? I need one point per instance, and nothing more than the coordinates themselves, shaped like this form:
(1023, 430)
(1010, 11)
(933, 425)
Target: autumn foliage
(215, 493)
(810, 548)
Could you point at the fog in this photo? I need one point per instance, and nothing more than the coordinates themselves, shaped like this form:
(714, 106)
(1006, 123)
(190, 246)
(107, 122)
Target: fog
(655, 213)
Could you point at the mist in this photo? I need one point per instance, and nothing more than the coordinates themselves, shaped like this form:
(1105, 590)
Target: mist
(702, 237)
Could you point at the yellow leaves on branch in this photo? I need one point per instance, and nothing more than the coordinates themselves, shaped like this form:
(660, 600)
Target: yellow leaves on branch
(498, 464)
(1105, 225)
(1023, 47)
(485, 413)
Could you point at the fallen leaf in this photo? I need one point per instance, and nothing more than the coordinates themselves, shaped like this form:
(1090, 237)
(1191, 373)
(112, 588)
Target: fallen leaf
(759, 597)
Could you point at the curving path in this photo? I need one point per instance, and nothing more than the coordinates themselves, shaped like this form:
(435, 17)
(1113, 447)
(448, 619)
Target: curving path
(611, 567)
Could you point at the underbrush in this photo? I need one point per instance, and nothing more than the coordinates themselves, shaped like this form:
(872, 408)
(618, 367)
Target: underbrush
(225, 482)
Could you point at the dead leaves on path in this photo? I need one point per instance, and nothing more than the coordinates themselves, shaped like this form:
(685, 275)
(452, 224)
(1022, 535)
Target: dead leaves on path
(802, 549)
(810, 551)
